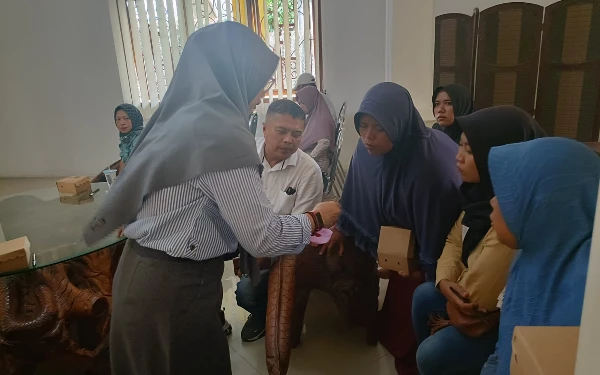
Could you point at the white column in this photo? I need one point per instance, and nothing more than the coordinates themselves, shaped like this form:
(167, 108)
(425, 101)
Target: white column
(589, 334)
(410, 40)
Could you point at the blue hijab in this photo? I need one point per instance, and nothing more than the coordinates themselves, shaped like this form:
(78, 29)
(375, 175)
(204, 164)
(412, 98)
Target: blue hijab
(128, 140)
(547, 190)
(414, 186)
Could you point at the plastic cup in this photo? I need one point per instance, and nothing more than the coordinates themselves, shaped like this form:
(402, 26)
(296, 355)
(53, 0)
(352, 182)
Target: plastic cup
(111, 176)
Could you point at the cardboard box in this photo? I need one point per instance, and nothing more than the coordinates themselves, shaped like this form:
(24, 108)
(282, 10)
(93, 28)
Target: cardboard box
(396, 250)
(14, 255)
(77, 199)
(544, 350)
(74, 185)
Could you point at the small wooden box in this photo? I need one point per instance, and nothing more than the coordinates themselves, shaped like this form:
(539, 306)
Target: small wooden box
(14, 255)
(74, 185)
(544, 350)
(396, 250)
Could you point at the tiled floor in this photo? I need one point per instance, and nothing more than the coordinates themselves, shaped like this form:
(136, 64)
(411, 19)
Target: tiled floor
(328, 347)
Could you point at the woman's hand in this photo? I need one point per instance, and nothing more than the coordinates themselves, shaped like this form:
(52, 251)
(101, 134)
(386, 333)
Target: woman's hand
(330, 211)
(120, 231)
(337, 239)
(459, 297)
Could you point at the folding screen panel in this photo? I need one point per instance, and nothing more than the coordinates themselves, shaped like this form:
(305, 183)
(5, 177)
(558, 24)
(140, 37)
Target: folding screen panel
(568, 92)
(454, 35)
(508, 55)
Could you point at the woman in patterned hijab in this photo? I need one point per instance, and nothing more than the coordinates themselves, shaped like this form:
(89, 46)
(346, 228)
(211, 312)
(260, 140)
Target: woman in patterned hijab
(130, 122)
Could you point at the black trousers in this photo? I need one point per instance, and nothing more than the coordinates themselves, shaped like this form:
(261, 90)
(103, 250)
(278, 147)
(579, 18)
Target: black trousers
(165, 317)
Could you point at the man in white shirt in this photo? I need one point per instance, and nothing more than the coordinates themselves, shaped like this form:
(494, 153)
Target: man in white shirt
(293, 183)
(307, 79)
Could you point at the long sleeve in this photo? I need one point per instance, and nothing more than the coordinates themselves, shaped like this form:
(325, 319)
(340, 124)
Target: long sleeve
(488, 271)
(321, 154)
(243, 205)
(320, 149)
(450, 264)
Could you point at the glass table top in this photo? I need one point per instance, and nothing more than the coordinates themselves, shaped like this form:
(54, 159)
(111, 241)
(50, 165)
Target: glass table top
(54, 228)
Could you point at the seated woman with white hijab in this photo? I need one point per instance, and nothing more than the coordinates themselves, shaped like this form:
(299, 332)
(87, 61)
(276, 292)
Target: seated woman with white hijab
(318, 139)
(181, 221)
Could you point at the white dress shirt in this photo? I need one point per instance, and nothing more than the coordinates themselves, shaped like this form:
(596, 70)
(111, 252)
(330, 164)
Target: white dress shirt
(301, 174)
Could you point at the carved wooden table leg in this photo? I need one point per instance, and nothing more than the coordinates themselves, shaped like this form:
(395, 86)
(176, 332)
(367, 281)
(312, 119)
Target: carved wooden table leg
(60, 310)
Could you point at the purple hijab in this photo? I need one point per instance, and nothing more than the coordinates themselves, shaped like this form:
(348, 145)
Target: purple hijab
(319, 123)
(414, 186)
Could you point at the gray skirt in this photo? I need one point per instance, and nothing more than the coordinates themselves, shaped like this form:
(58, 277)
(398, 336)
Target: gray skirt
(165, 315)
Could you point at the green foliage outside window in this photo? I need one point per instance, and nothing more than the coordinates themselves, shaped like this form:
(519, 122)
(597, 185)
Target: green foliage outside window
(280, 11)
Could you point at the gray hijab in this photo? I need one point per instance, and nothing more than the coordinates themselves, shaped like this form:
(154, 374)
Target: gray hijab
(201, 125)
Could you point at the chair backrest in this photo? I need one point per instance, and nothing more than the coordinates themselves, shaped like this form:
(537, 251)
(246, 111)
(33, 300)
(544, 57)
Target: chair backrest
(253, 123)
(342, 115)
(339, 138)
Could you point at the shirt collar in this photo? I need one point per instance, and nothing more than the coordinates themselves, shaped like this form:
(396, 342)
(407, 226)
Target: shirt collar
(291, 161)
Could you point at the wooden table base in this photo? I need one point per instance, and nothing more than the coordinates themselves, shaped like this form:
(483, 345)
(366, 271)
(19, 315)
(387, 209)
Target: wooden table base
(61, 311)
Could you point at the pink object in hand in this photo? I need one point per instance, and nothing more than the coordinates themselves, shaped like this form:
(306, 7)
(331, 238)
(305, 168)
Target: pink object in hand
(321, 237)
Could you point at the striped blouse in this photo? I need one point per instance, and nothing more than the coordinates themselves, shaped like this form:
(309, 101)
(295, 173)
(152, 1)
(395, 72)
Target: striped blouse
(206, 217)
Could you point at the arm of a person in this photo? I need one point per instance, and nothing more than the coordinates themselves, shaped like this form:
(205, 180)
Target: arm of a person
(120, 167)
(486, 276)
(320, 149)
(435, 210)
(450, 266)
(244, 206)
(309, 192)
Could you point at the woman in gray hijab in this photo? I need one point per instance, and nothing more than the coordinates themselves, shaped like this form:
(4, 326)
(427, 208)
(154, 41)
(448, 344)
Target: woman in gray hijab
(190, 194)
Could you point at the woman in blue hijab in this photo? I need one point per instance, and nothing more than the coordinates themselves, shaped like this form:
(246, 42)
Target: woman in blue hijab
(130, 122)
(473, 264)
(546, 192)
(402, 174)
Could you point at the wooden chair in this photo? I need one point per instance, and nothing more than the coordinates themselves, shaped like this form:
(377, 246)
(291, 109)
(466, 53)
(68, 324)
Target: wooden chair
(351, 280)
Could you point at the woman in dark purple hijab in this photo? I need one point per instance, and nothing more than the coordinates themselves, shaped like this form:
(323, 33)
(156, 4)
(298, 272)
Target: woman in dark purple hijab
(402, 174)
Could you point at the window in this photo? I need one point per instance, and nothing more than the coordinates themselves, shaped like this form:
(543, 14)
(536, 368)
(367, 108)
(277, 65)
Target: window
(149, 36)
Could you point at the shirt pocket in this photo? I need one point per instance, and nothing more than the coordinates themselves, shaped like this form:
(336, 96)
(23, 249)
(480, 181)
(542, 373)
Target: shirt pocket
(284, 203)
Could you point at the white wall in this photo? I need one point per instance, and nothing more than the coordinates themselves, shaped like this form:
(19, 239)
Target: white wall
(589, 334)
(411, 63)
(60, 81)
(353, 56)
(59, 86)
(467, 6)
